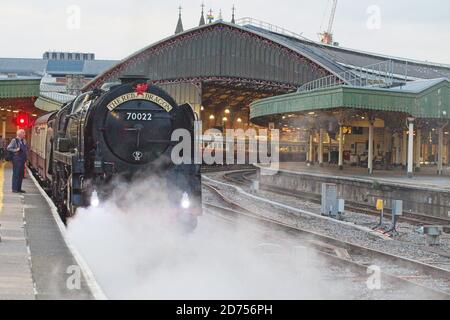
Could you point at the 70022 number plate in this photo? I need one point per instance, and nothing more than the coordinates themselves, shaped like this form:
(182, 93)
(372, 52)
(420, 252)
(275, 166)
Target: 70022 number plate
(138, 116)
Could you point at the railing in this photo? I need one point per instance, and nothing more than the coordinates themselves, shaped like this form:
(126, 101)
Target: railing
(326, 55)
(375, 75)
(269, 27)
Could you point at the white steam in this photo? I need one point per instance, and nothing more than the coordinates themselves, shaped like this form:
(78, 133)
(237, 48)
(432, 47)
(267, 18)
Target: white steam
(135, 252)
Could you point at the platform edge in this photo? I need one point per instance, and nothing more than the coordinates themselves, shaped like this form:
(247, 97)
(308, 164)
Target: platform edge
(95, 289)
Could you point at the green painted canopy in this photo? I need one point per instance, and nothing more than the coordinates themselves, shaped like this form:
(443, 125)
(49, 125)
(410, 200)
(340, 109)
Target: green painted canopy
(52, 101)
(19, 88)
(420, 99)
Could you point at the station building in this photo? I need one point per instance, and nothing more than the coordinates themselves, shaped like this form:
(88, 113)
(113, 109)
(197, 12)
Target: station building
(246, 73)
(327, 100)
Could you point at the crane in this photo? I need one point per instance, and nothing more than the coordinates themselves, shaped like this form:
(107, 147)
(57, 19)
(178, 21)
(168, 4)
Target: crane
(327, 36)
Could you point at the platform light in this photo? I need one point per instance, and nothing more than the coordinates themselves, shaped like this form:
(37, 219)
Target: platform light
(311, 113)
(34, 115)
(211, 117)
(227, 111)
(16, 111)
(224, 119)
(8, 110)
(239, 120)
(364, 118)
(22, 120)
(202, 108)
(284, 117)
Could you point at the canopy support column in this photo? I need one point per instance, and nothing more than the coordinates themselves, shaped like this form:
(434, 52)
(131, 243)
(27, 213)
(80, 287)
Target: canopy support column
(370, 155)
(404, 149)
(320, 158)
(329, 148)
(311, 148)
(440, 149)
(341, 148)
(410, 147)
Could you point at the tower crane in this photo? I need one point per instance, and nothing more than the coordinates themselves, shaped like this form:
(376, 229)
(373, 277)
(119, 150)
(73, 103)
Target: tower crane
(327, 36)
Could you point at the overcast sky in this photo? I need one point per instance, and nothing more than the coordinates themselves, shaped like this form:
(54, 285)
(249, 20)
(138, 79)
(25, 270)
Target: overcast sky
(114, 29)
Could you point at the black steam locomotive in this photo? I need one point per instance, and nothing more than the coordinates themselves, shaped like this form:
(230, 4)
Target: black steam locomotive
(120, 130)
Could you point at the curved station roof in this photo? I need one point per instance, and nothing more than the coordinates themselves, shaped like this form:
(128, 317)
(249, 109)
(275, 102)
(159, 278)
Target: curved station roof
(222, 51)
(251, 55)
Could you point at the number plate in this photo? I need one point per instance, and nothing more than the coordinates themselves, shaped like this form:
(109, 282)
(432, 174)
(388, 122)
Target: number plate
(138, 116)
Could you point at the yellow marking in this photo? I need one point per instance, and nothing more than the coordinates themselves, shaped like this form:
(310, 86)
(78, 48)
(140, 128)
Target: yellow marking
(380, 204)
(2, 177)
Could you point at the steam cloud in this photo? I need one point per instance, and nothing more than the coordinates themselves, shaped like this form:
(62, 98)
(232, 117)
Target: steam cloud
(135, 252)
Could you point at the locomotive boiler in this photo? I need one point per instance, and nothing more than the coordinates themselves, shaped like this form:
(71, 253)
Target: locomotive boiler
(120, 130)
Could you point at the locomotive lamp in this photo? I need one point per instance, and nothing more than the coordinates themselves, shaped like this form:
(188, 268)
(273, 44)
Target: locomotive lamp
(95, 201)
(185, 202)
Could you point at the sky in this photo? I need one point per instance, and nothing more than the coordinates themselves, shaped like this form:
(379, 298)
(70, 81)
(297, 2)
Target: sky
(115, 29)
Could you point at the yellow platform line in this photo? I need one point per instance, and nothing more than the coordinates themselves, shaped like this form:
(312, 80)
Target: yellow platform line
(2, 178)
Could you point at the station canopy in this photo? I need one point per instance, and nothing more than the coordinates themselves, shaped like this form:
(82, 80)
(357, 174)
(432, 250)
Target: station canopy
(425, 99)
(224, 67)
(18, 94)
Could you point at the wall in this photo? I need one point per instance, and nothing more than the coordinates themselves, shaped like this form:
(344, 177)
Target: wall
(416, 199)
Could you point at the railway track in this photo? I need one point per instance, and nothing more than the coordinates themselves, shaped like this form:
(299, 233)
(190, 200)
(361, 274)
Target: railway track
(242, 178)
(398, 271)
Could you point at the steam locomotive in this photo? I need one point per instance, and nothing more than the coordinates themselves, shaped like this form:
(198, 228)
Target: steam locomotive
(123, 129)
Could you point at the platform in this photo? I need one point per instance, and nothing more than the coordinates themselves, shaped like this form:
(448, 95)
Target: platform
(426, 193)
(34, 257)
(426, 178)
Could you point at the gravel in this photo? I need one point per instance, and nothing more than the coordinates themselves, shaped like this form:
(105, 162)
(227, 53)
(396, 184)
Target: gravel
(329, 281)
(409, 244)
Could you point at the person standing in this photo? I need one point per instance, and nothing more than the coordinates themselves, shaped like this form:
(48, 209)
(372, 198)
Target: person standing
(2, 148)
(18, 146)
